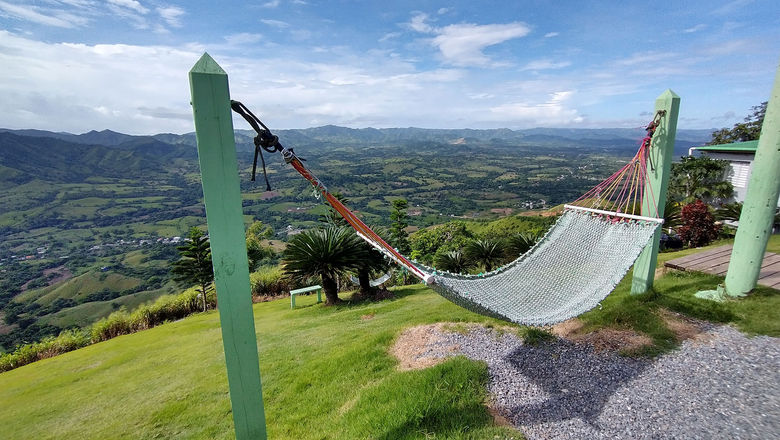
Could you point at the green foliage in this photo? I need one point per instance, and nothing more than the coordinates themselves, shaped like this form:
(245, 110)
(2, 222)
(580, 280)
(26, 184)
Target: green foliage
(195, 265)
(698, 225)
(166, 308)
(255, 250)
(49, 346)
(327, 253)
(672, 211)
(521, 243)
(742, 131)
(488, 253)
(270, 281)
(439, 239)
(331, 217)
(453, 261)
(399, 239)
(699, 178)
(535, 336)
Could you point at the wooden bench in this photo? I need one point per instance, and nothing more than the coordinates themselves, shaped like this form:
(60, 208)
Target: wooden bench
(318, 288)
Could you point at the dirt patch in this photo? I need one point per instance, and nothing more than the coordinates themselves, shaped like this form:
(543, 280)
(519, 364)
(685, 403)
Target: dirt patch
(685, 328)
(605, 339)
(421, 347)
(6, 328)
(61, 273)
(367, 317)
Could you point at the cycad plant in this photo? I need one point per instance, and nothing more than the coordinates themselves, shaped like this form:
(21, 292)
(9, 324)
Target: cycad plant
(486, 252)
(521, 243)
(452, 261)
(327, 253)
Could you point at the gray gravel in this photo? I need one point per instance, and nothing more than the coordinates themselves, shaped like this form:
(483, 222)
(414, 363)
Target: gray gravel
(726, 386)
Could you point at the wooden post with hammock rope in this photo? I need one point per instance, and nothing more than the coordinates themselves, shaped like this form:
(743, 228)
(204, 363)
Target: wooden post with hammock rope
(222, 197)
(659, 159)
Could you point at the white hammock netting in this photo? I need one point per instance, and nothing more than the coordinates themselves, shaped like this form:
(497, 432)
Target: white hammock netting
(568, 272)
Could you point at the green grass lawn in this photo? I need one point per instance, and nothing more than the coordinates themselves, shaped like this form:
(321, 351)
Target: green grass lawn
(326, 374)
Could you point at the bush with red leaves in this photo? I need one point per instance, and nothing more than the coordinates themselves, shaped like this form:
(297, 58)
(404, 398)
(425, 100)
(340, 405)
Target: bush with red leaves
(699, 227)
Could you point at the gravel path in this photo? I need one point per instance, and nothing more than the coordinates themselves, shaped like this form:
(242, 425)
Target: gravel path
(723, 386)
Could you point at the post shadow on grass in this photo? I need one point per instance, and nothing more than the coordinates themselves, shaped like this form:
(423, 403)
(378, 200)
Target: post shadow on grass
(576, 381)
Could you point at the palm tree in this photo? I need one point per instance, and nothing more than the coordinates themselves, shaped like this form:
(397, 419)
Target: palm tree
(486, 252)
(453, 261)
(327, 253)
(521, 243)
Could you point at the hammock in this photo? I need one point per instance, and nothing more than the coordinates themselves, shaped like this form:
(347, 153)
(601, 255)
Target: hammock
(568, 272)
(372, 283)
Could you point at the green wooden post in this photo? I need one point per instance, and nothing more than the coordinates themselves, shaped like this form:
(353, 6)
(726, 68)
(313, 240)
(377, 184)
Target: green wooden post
(222, 197)
(654, 200)
(758, 211)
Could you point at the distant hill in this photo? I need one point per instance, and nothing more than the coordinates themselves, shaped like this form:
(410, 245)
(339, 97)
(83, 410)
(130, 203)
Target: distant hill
(50, 159)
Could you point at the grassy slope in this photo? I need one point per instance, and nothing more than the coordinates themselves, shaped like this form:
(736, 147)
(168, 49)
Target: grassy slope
(326, 371)
(326, 374)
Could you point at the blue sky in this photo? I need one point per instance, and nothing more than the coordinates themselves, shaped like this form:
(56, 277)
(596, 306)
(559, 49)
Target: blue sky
(77, 65)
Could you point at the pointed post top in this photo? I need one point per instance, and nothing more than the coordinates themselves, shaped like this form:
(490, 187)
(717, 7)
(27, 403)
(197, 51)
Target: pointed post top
(668, 93)
(206, 64)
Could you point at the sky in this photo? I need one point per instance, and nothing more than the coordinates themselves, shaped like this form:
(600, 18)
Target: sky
(79, 65)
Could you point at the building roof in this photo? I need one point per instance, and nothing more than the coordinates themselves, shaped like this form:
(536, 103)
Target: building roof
(736, 147)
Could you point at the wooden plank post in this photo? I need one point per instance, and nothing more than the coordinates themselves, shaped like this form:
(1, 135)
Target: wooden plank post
(222, 197)
(659, 169)
(758, 211)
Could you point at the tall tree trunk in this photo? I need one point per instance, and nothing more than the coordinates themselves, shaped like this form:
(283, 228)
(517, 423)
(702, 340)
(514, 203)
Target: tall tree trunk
(331, 290)
(203, 294)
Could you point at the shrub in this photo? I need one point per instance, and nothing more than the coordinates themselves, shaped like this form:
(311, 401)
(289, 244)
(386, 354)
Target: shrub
(50, 346)
(699, 227)
(270, 280)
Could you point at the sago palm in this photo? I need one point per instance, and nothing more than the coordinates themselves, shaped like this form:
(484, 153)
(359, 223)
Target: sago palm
(487, 252)
(452, 261)
(327, 253)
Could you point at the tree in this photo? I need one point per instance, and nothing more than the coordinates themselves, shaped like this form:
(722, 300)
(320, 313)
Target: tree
(327, 253)
(699, 178)
(699, 227)
(255, 250)
(521, 243)
(453, 261)
(487, 252)
(195, 266)
(742, 131)
(399, 239)
(331, 216)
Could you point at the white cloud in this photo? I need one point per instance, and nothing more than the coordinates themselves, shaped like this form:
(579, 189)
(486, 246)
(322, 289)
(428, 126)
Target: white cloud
(44, 16)
(553, 111)
(545, 64)
(418, 23)
(696, 28)
(462, 44)
(389, 36)
(275, 23)
(443, 11)
(551, 34)
(171, 15)
(243, 38)
(272, 4)
(130, 4)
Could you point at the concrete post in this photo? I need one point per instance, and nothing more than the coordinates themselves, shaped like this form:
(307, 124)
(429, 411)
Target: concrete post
(758, 211)
(222, 197)
(654, 200)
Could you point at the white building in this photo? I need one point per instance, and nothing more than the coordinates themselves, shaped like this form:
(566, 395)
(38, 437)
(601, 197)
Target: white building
(740, 157)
